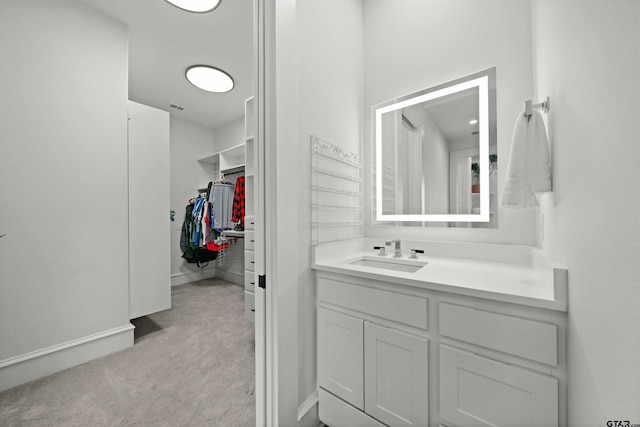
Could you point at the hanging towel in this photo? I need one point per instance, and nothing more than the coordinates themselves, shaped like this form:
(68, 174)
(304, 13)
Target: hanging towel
(538, 164)
(238, 202)
(529, 171)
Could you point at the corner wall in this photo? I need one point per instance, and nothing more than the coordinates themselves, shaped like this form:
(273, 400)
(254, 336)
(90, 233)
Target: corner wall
(189, 142)
(329, 104)
(229, 135)
(64, 285)
(587, 58)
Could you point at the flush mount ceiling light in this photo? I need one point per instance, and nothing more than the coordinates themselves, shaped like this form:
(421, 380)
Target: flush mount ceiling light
(209, 78)
(196, 6)
(473, 122)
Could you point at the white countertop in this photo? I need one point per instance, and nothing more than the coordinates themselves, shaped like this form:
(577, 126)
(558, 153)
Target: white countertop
(530, 285)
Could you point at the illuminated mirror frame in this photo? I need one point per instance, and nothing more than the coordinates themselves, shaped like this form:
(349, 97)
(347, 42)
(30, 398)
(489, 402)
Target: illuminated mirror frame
(479, 80)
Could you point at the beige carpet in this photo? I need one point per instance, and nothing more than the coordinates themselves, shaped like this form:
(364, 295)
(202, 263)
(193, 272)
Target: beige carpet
(191, 365)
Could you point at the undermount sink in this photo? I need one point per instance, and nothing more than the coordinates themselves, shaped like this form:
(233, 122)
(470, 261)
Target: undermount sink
(394, 264)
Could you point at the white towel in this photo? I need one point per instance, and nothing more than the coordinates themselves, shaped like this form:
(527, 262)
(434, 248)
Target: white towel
(529, 170)
(537, 160)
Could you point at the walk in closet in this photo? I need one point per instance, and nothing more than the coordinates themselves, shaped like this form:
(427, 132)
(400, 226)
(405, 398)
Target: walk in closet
(226, 180)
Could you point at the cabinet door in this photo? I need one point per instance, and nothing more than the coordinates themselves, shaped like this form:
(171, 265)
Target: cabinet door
(340, 355)
(149, 225)
(475, 391)
(396, 376)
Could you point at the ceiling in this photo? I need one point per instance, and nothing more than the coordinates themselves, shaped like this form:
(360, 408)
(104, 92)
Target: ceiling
(164, 40)
(452, 114)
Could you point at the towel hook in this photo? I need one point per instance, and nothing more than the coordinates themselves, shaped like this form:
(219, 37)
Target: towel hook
(528, 107)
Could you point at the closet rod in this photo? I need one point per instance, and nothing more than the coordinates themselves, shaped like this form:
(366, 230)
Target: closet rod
(528, 107)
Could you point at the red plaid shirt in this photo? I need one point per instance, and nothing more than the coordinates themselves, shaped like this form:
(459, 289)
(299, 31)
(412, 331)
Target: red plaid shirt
(238, 202)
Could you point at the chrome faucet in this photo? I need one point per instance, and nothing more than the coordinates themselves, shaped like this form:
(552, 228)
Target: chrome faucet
(397, 253)
(381, 249)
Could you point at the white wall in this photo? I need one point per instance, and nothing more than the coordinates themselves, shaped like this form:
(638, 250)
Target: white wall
(329, 104)
(413, 45)
(189, 142)
(281, 189)
(587, 57)
(63, 179)
(229, 135)
(316, 89)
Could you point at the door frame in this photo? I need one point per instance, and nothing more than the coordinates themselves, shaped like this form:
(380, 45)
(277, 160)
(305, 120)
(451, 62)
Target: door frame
(261, 370)
(276, 217)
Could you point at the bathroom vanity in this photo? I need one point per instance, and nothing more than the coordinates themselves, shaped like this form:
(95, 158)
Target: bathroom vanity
(441, 340)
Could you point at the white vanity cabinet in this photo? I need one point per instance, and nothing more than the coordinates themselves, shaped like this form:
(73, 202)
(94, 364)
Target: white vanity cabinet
(396, 376)
(401, 355)
(478, 389)
(341, 356)
(378, 365)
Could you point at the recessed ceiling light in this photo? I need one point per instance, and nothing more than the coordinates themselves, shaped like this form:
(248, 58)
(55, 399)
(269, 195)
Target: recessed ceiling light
(197, 6)
(473, 122)
(209, 78)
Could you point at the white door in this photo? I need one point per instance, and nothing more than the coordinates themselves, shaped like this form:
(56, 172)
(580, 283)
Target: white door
(149, 222)
(396, 376)
(476, 391)
(341, 355)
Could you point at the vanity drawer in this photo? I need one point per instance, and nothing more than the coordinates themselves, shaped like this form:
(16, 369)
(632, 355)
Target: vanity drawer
(249, 240)
(476, 391)
(249, 222)
(406, 309)
(249, 260)
(249, 281)
(525, 338)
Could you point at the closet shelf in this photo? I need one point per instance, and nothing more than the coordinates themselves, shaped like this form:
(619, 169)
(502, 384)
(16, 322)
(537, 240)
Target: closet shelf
(233, 233)
(233, 169)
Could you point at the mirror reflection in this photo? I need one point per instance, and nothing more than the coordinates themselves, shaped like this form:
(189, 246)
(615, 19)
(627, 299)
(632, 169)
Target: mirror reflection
(436, 155)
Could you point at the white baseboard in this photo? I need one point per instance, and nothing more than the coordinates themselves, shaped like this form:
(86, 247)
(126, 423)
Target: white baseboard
(37, 364)
(182, 278)
(235, 278)
(308, 412)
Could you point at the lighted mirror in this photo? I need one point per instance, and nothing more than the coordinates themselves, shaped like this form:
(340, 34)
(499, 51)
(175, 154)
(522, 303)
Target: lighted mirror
(435, 155)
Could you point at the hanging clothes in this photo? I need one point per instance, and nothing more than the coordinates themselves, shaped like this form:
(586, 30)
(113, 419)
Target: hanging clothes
(238, 203)
(194, 233)
(221, 199)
